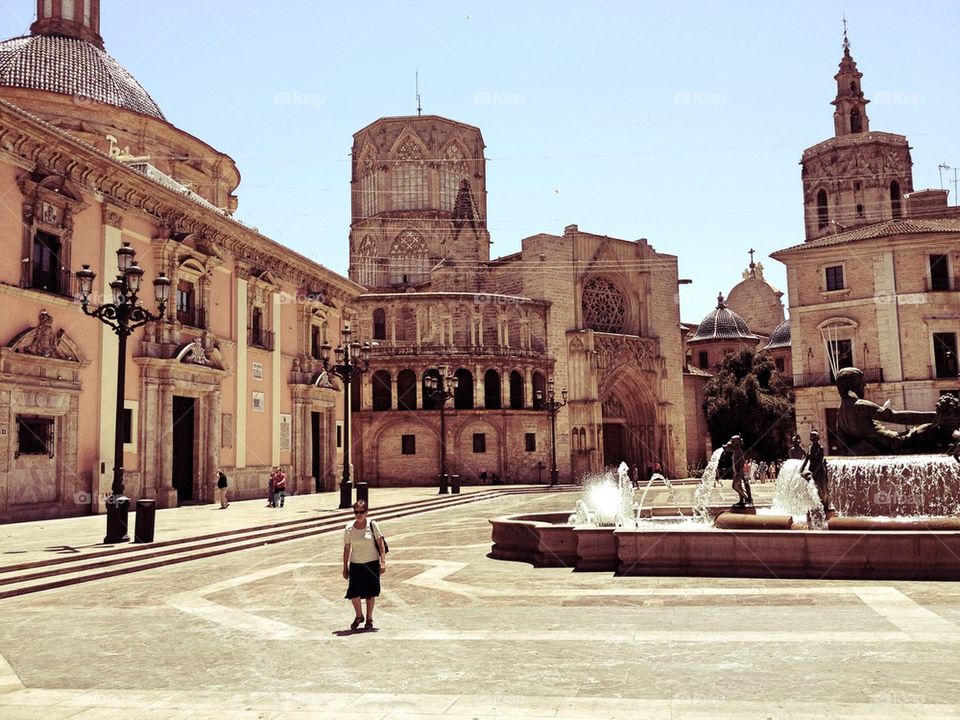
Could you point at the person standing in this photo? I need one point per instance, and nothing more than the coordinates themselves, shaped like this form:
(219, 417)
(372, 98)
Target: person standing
(818, 469)
(364, 561)
(222, 488)
(741, 483)
(279, 486)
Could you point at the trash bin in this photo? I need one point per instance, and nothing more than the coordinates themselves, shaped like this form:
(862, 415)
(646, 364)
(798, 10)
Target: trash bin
(455, 484)
(146, 521)
(363, 492)
(117, 508)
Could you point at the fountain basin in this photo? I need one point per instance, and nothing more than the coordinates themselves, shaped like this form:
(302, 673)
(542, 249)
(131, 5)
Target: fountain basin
(542, 539)
(739, 521)
(895, 485)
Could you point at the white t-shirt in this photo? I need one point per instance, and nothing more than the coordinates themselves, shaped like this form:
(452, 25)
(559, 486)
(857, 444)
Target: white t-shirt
(362, 547)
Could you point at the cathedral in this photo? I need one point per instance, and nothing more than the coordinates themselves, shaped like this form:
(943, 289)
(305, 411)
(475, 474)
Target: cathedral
(546, 364)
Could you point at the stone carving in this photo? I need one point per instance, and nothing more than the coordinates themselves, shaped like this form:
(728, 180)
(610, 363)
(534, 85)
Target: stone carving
(603, 306)
(44, 341)
(194, 354)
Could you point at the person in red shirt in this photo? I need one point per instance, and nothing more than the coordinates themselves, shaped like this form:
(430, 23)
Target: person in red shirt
(279, 479)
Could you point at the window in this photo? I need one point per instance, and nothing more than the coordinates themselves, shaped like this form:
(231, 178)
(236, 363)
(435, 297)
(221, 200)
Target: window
(409, 260)
(408, 444)
(856, 122)
(939, 273)
(479, 442)
(258, 336)
(778, 362)
(463, 393)
(516, 390)
(187, 311)
(703, 360)
(860, 213)
(452, 170)
(530, 442)
(379, 324)
(316, 341)
(382, 399)
(34, 435)
(46, 273)
(823, 212)
(945, 354)
(366, 263)
(895, 208)
(834, 277)
(491, 390)
(407, 390)
(840, 355)
(603, 306)
(368, 195)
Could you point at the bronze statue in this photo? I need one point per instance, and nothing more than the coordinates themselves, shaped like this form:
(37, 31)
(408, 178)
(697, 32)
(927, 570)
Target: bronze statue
(741, 484)
(860, 432)
(816, 466)
(796, 449)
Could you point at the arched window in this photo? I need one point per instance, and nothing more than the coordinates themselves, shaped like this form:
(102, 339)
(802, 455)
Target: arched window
(539, 390)
(381, 390)
(463, 397)
(856, 122)
(452, 170)
(491, 390)
(823, 213)
(409, 178)
(367, 187)
(516, 391)
(409, 262)
(428, 402)
(406, 324)
(379, 324)
(895, 208)
(407, 390)
(604, 309)
(366, 263)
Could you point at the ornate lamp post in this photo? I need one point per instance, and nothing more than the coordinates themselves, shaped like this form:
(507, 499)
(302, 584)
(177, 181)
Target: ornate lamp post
(442, 387)
(350, 358)
(123, 316)
(551, 405)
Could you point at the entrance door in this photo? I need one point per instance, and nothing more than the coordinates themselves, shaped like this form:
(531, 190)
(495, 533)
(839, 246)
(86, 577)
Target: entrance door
(183, 447)
(612, 444)
(315, 445)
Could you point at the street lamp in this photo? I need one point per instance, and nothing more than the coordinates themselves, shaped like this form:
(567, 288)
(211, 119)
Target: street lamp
(442, 387)
(346, 365)
(123, 316)
(551, 405)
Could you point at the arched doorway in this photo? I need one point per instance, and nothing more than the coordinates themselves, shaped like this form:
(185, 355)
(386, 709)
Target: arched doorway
(632, 430)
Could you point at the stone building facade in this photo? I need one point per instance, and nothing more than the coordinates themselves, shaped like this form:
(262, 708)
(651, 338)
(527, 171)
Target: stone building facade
(595, 314)
(229, 376)
(876, 283)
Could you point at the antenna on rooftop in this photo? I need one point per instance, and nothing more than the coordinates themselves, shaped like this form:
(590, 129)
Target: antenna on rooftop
(419, 109)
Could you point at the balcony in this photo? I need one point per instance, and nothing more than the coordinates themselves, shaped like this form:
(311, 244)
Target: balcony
(58, 282)
(944, 284)
(413, 350)
(194, 317)
(825, 379)
(260, 338)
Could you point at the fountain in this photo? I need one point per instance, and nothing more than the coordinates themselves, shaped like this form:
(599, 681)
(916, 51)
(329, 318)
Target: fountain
(869, 517)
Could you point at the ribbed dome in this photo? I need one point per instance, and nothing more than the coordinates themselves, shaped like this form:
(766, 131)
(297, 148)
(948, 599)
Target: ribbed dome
(780, 337)
(722, 324)
(72, 67)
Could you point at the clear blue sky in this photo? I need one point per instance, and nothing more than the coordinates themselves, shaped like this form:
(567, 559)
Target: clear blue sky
(679, 122)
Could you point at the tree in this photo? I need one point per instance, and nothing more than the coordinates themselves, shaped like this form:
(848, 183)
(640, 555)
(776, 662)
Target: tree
(747, 397)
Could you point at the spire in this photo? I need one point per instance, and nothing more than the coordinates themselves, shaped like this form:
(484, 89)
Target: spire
(850, 115)
(753, 265)
(79, 19)
(720, 304)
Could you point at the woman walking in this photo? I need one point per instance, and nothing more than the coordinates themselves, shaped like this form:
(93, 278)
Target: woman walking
(363, 563)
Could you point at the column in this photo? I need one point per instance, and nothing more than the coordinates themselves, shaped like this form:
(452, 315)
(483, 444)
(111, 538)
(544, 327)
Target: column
(213, 437)
(275, 384)
(243, 401)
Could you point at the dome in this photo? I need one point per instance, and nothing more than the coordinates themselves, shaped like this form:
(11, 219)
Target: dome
(71, 66)
(780, 337)
(722, 324)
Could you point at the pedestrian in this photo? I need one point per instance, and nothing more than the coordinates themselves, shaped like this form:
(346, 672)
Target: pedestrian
(364, 561)
(741, 482)
(222, 488)
(818, 470)
(635, 476)
(796, 449)
(279, 486)
(271, 502)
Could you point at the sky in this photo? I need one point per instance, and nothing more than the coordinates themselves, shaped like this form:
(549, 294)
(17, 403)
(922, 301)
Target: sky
(681, 122)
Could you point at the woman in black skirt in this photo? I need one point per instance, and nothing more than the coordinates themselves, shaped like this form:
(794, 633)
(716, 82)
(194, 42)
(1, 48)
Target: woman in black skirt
(363, 563)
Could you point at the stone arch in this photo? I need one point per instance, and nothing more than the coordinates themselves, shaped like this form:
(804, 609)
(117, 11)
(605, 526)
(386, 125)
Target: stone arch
(409, 260)
(633, 429)
(469, 463)
(406, 390)
(539, 389)
(823, 209)
(428, 402)
(367, 262)
(516, 390)
(382, 397)
(491, 390)
(419, 468)
(463, 397)
(453, 169)
(379, 324)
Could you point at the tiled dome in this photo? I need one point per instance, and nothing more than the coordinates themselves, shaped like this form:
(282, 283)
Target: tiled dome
(722, 324)
(70, 66)
(780, 337)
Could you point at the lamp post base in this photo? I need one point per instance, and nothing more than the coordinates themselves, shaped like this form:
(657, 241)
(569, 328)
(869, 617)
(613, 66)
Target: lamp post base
(346, 496)
(118, 507)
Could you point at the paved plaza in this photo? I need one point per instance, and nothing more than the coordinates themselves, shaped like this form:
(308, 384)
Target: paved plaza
(263, 632)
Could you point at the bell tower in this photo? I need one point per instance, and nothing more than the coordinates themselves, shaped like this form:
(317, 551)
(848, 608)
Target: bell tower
(850, 115)
(79, 19)
(859, 176)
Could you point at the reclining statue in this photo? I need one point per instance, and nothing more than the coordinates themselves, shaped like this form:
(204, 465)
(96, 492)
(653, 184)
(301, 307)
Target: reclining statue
(860, 432)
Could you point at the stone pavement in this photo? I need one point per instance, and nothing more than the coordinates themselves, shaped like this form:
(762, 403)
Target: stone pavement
(263, 633)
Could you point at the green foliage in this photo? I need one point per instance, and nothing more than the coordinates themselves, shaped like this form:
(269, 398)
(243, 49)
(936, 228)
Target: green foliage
(747, 397)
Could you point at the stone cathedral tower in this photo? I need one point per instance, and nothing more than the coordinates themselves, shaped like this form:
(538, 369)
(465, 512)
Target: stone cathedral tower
(858, 176)
(419, 205)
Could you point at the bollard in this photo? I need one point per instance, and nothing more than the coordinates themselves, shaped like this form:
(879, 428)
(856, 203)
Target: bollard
(363, 492)
(117, 509)
(146, 521)
(455, 484)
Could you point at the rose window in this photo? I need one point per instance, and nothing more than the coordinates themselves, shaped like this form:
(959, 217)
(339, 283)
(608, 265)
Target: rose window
(603, 306)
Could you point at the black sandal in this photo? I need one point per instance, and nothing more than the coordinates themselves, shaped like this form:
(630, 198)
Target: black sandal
(368, 625)
(356, 622)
